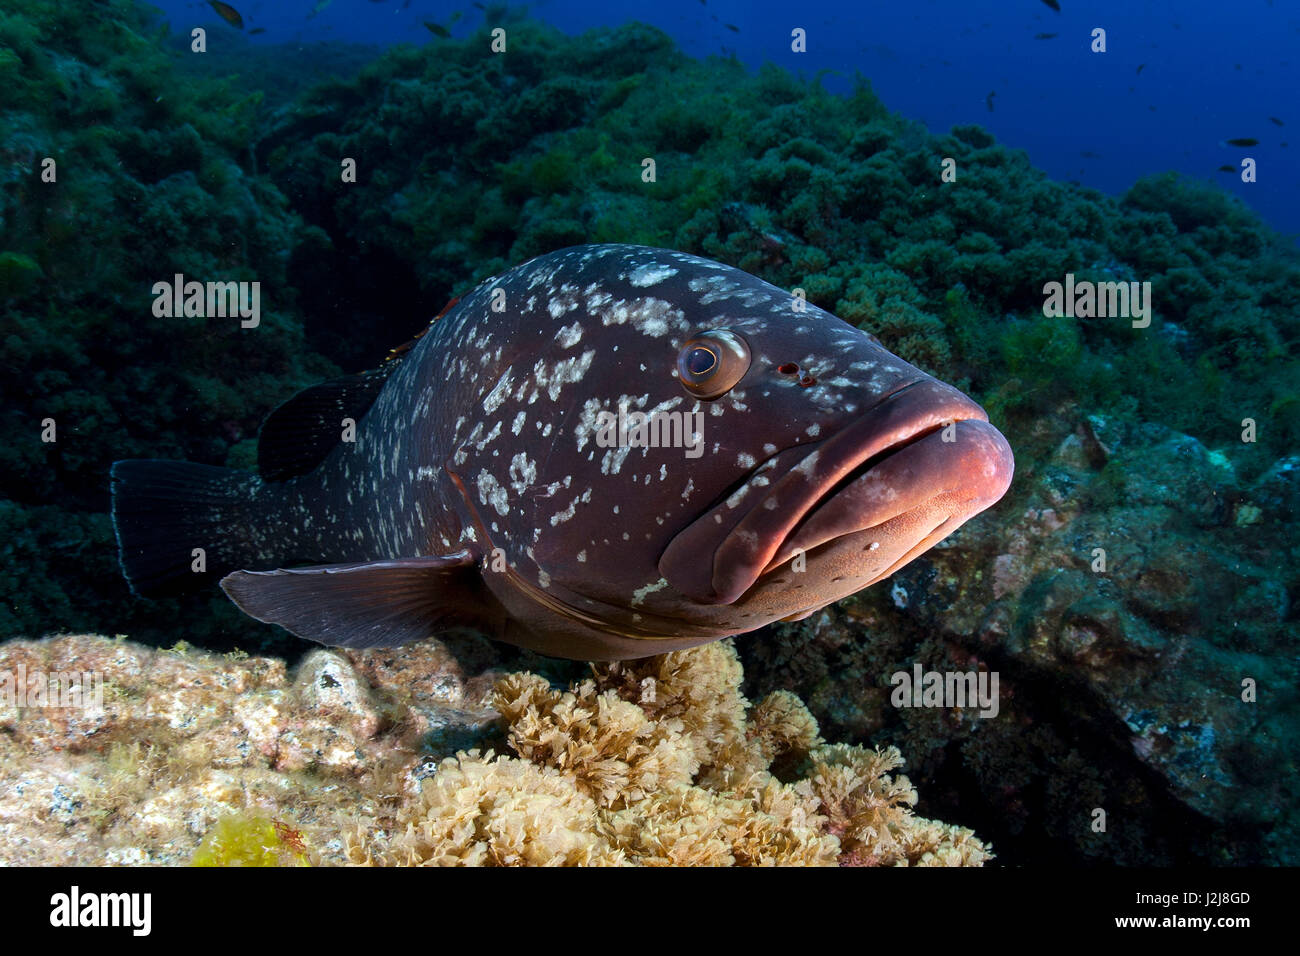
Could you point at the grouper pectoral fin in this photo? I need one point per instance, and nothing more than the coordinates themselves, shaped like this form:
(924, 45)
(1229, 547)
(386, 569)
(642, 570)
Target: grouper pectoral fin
(371, 604)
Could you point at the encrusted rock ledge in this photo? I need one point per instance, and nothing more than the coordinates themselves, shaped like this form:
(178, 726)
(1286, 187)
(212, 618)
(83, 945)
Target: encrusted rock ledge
(196, 756)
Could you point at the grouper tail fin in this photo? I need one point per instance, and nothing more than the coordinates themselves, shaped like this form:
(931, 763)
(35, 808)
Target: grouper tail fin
(182, 526)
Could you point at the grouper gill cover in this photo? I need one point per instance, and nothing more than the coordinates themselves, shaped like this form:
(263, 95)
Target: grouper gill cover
(607, 452)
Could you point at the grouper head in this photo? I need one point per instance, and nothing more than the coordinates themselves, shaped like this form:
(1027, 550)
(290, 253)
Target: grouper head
(785, 459)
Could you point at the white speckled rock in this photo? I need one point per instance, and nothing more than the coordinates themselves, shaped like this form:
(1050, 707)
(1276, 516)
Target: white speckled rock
(186, 736)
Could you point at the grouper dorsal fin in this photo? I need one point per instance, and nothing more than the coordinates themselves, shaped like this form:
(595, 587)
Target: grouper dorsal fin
(298, 435)
(372, 604)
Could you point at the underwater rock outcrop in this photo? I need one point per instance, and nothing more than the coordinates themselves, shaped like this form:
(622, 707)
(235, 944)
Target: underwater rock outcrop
(1134, 595)
(199, 757)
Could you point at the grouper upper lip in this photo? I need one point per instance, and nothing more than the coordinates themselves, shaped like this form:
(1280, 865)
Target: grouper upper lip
(840, 486)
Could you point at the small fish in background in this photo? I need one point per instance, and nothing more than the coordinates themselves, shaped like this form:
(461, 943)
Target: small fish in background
(437, 29)
(1227, 169)
(1141, 67)
(1275, 121)
(1089, 154)
(256, 30)
(320, 6)
(732, 27)
(1045, 36)
(479, 6)
(1053, 4)
(1242, 141)
(988, 100)
(227, 13)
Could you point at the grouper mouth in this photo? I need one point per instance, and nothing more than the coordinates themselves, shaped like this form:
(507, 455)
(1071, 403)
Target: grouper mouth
(860, 504)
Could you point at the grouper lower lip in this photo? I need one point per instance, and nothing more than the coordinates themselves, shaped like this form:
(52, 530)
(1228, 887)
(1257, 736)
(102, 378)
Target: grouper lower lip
(894, 459)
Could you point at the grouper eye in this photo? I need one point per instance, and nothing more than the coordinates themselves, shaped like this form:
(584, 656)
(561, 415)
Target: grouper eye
(711, 363)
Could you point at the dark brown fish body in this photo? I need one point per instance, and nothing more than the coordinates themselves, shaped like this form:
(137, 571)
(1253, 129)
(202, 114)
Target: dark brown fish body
(500, 478)
(227, 13)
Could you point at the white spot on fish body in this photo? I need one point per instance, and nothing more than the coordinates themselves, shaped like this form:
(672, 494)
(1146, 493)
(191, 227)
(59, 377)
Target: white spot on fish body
(562, 516)
(491, 492)
(586, 424)
(490, 437)
(639, 595)
(559, 307)
(499, 392)
(523, 472)
(652, 273)
(808, 464)
(612, 461)
(569, 335)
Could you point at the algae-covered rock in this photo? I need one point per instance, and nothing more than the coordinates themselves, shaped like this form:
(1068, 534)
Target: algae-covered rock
(186, 738)
(193, 757)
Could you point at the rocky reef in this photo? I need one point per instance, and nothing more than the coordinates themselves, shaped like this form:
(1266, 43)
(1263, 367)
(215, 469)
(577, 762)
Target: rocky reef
(233, 760)
(1133, 594)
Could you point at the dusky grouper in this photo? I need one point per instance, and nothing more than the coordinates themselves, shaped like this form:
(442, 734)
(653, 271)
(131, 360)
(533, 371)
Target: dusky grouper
(498, 478)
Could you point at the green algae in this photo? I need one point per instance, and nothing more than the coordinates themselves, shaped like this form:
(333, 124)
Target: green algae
(250, 839)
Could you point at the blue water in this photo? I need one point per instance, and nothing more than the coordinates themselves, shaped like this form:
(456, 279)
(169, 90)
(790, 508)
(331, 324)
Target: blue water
(1211, 71)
